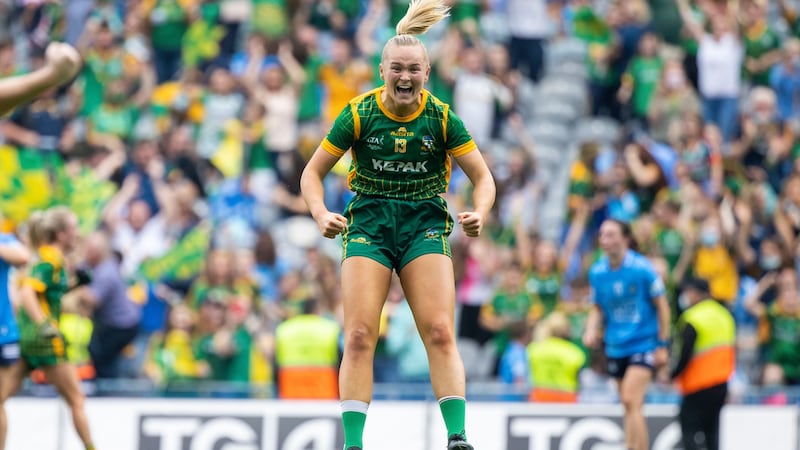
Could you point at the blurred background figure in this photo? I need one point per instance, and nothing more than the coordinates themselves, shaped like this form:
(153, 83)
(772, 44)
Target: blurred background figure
(706, 338)
(115, 315)
(307, 355)
(555, 362)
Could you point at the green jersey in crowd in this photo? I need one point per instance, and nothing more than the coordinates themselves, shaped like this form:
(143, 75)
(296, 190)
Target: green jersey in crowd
(169, 20)
(644, 73)
(599, 38)
(784, 342)
(758, 41)
(545, 288)
(398, 157)
(516, 306)
(227, 367)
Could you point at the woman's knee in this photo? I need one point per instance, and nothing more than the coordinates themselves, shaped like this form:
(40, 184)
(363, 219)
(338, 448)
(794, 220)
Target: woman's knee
(360, 339)
(440, 335)
(631, 401)
(631, 397)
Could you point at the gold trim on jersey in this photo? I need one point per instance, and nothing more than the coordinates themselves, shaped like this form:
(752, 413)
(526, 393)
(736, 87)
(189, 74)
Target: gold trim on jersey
(394, 117)
(464, 148)
(51, 254)
(447, 229)
(44, 304)
(34, 283)
(332, 149)
(356, 121)
(448, 167)
(349, 214)
(445, 114)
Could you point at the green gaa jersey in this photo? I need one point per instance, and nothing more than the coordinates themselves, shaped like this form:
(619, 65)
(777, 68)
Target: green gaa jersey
(398, 157)
(49, 279)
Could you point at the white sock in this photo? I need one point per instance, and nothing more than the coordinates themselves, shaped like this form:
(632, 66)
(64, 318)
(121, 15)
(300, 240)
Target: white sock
(354, 406)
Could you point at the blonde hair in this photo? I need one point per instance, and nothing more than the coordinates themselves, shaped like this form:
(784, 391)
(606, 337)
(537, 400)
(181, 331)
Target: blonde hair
(420, 17)
(762, 94)
(43, 226)
(555, 325)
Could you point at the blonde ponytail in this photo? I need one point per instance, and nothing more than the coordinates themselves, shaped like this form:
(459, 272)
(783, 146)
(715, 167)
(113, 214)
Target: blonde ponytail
(421, 16)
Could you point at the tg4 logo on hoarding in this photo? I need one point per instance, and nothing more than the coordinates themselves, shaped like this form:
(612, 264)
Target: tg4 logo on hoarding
(179, 432)
(584, 433)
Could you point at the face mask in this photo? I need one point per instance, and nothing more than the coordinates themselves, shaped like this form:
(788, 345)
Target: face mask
(674, 80)
(181, 103)
(709, 238)
(770, 262)
(683, 302)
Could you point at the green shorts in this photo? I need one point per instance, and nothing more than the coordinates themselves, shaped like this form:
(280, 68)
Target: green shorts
(40, 352)
(393, 232)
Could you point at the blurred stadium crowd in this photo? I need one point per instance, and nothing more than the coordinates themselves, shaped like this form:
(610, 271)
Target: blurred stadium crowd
(181, 142)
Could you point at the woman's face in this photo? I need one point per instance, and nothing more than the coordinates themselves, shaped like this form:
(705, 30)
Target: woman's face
(219, 266)
(497, 60)
(180, 318)
(104, 39)
(612, 240)
(544, 257)
(673, 77)
(691, 126)
(648, 45)
(710, 232)
(405, 70)
(273, 78)
(472, 60)
(719, 25)
(513, 280)
(340, 52)
(221, 82)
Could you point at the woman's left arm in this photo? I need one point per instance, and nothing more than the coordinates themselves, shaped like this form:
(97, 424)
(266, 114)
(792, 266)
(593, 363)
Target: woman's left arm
(474, 166)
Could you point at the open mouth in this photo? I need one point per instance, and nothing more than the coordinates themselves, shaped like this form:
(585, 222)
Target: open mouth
(404, 89)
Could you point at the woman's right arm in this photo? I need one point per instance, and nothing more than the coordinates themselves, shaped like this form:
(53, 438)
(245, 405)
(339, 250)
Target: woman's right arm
(752, 303)
(30, 303)
(694, 27)
(784, 227)
(330, 224)
(591, 337)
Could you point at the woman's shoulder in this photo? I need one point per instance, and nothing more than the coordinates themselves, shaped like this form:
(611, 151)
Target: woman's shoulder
(436, 103)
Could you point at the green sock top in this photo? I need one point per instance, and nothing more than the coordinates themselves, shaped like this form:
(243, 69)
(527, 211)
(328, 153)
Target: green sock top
(454, 412)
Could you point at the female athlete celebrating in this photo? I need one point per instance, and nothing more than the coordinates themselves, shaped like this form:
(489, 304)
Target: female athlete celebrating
(402, 139)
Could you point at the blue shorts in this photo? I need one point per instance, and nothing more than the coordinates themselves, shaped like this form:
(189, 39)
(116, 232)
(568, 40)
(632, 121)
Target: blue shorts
(617, 366)
(9, 353)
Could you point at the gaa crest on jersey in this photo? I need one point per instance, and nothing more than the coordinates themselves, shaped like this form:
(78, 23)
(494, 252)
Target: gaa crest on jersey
(375, 143)
(428, 143)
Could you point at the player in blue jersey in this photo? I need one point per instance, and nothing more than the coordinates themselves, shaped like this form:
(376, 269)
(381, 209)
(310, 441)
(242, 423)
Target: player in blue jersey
(12, 254)
(631, 309)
